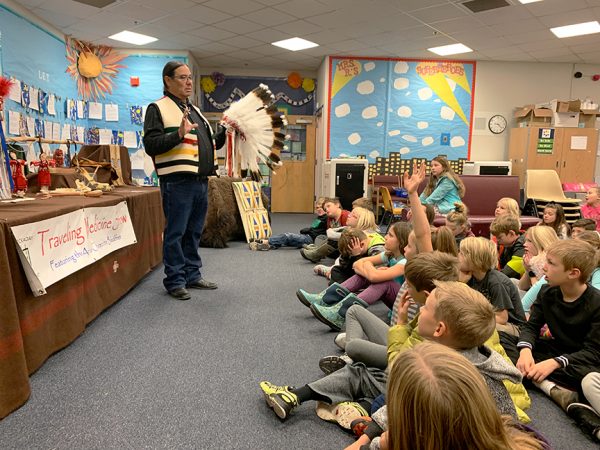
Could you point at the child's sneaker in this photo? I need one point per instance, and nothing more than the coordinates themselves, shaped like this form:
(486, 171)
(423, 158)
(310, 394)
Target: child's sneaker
(260, 244)
(280, 399)
(342, 413)
(340, 341)
(322, 269)
(329, 364)
(358, 426)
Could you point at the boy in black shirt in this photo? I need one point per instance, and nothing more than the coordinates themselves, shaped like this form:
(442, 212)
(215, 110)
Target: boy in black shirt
(571, 308)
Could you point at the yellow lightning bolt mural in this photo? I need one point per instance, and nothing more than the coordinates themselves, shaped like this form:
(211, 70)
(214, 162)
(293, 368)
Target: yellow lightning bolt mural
(435, 74)
(345, 70)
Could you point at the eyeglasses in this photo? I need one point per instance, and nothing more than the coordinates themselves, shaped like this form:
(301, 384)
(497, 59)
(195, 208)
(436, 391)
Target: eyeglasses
(183, 77)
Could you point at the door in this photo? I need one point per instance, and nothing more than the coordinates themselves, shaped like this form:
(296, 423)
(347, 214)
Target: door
(349, 183)
(544, 148)
(292, 185)
(578, 160)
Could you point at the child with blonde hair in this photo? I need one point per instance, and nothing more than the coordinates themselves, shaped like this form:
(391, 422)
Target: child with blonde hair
(440, 393)
(507, 205)
(477, 259)
(444, 188)
(537, 240)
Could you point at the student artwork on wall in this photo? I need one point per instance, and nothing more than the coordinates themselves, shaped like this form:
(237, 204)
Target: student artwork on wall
(419, 109)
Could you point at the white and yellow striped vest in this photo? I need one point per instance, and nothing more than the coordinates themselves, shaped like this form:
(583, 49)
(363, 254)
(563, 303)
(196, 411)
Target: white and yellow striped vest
(182, 158)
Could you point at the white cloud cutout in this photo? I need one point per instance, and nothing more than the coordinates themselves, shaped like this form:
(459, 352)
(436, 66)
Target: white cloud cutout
(365, 87)
(382, 80)
(425, 93)
(447, 113)
(427, 141)
(404, 111)
(437, 100)
(394, 132)
(451, 83)
(354, 138)
(401, 67)
(369, 112)
(457, 141)
(409, 138)
(422, 125)
(401, 83)
(342, 110)
(374, 154)
(369, 66)
(379, 124)
(404, 150)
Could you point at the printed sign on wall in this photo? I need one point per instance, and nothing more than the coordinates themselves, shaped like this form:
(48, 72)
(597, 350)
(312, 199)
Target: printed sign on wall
(417, 108)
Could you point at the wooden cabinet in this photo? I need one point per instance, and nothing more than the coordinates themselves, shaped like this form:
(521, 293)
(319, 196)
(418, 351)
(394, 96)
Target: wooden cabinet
(571, 152)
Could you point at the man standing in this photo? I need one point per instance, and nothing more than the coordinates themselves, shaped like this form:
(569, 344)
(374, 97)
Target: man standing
(180, 141)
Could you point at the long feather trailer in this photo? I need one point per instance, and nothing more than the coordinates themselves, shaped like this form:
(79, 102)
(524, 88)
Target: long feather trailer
(251, 126)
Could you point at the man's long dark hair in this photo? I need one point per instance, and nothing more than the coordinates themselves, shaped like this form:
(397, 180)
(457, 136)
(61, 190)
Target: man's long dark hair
(169, 71)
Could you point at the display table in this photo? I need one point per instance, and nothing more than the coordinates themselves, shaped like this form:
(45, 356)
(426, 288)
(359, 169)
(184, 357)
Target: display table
(33, 328)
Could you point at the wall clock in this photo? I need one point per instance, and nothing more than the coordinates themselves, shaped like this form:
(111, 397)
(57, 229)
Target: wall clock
(497, 124)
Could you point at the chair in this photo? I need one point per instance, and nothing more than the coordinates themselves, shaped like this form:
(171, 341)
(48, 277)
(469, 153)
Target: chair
(390, 212)
(378, 181)
(543, 187)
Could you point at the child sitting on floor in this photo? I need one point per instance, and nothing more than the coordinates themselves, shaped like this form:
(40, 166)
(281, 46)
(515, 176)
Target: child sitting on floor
(554, 216)
(477, 260)
(458, 222)
(506, 230)
(330, 305)
(537, 240)
(581, 225)
(571, 309)
(306, 236)
(591, 209)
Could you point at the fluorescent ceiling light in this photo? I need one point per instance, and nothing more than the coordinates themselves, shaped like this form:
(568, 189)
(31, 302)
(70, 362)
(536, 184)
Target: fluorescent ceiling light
(577, 29)
(452, 49)
(529, 1)
(133, 38)
(295, 44)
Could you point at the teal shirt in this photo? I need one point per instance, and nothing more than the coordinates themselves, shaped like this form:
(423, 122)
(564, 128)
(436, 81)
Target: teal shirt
(444, 195)
(391, 262)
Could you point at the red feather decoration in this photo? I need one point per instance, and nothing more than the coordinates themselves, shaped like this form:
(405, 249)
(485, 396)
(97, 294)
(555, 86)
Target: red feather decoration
(5, 85)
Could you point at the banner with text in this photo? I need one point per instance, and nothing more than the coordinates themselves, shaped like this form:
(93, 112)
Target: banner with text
(53, 249)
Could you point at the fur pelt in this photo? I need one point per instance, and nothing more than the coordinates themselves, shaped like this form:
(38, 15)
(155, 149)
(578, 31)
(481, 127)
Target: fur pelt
(223, 220)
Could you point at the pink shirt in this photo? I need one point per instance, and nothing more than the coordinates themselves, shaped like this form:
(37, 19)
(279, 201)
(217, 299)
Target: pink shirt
(591, 212)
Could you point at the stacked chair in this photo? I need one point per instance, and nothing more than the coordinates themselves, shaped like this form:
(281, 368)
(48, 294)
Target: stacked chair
(543, 187)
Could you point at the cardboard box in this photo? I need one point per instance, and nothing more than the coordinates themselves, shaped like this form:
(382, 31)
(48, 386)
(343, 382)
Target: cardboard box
(529, 115)
(561, 106)
(587, 118)
(565, 119)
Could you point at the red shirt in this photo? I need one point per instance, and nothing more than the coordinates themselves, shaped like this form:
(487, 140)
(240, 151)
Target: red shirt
(341, 222)
(591, 212)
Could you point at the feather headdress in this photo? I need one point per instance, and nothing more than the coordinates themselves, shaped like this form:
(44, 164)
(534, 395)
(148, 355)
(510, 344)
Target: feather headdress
(5, 85)
(251, 133)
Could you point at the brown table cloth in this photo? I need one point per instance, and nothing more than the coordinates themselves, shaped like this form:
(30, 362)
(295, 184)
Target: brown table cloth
(32, 328)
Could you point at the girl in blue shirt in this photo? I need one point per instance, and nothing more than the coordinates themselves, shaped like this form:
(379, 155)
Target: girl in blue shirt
(444, 188)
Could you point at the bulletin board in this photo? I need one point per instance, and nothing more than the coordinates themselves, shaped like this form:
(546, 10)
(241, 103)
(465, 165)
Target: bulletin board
(418, 108)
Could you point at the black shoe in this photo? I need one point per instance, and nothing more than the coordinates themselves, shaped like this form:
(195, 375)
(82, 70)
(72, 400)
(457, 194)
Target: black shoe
(202, 284)
(180, 294)
(586, 417)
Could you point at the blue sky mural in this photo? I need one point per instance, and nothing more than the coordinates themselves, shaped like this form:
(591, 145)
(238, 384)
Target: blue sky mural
(417, 108)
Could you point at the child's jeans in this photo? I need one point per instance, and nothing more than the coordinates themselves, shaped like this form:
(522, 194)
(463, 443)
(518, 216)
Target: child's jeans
(290, 240)
(385, 291)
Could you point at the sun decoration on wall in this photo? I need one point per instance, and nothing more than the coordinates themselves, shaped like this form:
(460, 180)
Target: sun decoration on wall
(93, 66)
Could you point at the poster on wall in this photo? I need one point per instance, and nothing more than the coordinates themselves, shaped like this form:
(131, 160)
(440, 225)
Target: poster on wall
(419, 109)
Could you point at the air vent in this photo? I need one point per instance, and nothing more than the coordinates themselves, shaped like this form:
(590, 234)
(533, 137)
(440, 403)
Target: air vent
(96, 3)
(484, 5)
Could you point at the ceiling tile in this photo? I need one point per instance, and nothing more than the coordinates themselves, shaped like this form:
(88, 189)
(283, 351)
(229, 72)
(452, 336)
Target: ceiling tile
(348, 46)
(439, 13)
(392, 22)
(270, 2)
(326, 37)
(268, 50)
(177, 23)
(245, 54)
(562, 59)
(298, 28)
(518, 26)
(202, 14)
(411, 5)
(60, 20)
(70, 7)
(550, 45)
(533, 36)
(506, 15)
(346, 16)
(268, 35)
(137, 11)
(269, 17)
(30, 4)
(458, 25)
(242, 42)
(584, 48)
(591, 58)
(305, 8)
(188, 40)
(567, 18)
(555, 6)
(218, 47)
(239, 7)
(170, 6)
(240, 26)
(211, 33)
(154, 30)
(551, 53)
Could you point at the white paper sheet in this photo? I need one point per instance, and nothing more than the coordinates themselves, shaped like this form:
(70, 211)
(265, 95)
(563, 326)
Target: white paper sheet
(80, 134)
(34, 98)
(137, 159)
(579, 142)
(31, 126)
(56, 131)
(51, 104)
(130, 139)
(105, 136)
(95, 110)
(111, 112)
(13, 122)
(48, 129)
(80, 111)
(66, 132)
(15, 91)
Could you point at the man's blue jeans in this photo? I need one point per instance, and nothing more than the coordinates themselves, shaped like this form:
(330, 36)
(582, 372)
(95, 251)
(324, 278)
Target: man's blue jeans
(290, 240)
(185, 203)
